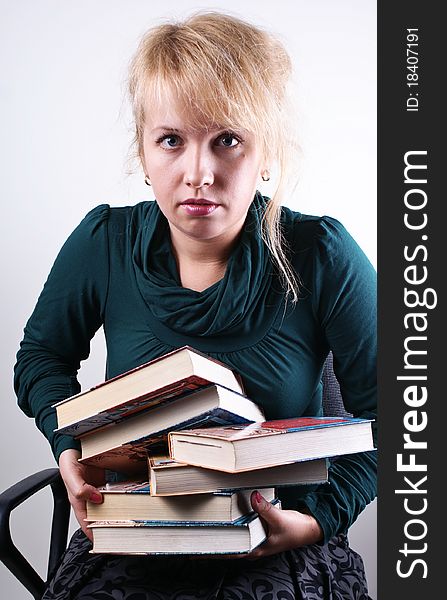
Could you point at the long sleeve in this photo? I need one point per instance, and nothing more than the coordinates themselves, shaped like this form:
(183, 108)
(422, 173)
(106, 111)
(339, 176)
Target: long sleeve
(344, 304)
(278, 354)
(57, 335)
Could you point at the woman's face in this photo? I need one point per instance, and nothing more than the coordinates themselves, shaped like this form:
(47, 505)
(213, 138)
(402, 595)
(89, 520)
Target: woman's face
(204, 180)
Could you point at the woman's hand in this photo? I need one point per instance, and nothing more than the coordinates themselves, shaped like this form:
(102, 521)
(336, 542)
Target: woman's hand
(287, 529)
(80, 481)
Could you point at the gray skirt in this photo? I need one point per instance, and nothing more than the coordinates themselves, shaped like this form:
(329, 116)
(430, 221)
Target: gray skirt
(319, 572)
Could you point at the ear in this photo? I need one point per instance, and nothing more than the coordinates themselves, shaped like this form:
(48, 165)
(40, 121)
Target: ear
(265, 174)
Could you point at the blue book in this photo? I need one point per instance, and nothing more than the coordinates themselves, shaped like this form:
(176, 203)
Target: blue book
(155, 537)
(177, 373)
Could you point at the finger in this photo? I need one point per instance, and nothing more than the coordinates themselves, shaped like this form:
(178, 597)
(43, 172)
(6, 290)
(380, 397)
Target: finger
(254, 555)
(88, 532)
(74, 480)
(79, 505)
(267, 547)
(80, 511)
(79, 488)
(269, 513)
(84, 491)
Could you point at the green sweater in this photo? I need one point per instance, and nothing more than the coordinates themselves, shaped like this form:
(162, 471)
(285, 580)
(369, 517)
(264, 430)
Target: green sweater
(117, 270)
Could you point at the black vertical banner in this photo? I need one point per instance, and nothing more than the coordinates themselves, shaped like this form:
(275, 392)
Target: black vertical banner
(412, 267)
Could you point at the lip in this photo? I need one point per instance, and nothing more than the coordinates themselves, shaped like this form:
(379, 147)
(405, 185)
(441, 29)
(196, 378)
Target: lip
(199, 207)
(199, 201)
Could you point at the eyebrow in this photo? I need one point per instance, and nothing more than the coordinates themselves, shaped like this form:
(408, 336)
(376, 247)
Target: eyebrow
(179, 131)
(166, 128)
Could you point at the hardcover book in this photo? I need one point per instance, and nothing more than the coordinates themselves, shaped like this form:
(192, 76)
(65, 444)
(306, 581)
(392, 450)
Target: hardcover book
(169, 477)
(177, 373)
(133, 501)
(158, 537)
(259, 445)
(214, 405)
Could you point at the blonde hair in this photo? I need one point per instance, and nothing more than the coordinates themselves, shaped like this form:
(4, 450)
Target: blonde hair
(230, 74)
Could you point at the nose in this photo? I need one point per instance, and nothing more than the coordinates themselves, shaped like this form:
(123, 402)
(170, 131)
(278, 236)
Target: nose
(198, 168)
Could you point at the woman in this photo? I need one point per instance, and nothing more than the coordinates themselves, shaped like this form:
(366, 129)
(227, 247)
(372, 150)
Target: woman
(215, 265)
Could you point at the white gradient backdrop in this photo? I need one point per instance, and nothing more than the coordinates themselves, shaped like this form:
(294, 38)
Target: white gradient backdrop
(65, 133)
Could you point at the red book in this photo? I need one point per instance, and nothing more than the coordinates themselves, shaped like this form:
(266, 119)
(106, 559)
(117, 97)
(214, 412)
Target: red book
(238, 448)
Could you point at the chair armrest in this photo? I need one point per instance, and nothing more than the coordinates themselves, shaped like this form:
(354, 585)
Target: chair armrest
(13, 497)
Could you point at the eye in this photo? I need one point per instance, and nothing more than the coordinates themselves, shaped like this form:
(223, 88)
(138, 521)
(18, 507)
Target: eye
(169, 141)
(228, 140)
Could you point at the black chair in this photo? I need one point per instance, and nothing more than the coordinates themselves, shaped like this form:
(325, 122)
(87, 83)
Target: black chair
(21, 491)
(13, 497)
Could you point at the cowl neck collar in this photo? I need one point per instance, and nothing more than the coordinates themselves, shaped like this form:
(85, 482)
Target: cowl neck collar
(223, 307)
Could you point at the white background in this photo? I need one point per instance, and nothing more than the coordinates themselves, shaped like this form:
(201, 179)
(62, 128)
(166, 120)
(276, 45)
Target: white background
(65, 133)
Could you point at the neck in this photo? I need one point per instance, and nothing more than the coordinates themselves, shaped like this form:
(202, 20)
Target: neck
(200, 263)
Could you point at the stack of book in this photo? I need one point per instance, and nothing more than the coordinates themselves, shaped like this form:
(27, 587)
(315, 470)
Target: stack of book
(193, 448)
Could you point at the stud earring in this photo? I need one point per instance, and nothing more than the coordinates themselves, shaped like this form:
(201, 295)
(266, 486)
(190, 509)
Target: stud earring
(265, 175)
(147, 181)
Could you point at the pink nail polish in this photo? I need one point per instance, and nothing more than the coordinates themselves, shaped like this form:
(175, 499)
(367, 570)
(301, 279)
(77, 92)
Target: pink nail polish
(96, 497)
(258, 497)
